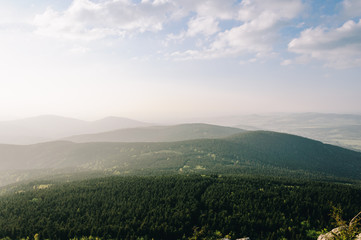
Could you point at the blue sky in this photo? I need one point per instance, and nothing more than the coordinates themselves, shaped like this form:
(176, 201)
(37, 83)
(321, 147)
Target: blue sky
(160, 59)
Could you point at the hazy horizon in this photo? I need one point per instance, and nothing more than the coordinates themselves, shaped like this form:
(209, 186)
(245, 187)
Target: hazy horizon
(160, 59)
(175, 120)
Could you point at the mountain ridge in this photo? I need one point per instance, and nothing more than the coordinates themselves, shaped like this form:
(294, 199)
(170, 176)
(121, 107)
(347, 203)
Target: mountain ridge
(259, 152)
(169, 133)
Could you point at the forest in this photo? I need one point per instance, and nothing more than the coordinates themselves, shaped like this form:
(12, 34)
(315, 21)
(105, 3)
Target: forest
(176, 207)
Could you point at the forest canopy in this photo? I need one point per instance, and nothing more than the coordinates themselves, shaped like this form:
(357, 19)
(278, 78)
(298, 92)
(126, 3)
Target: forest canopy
(176, 207)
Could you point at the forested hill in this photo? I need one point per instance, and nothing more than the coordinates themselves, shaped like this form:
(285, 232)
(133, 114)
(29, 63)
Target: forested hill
(176, 207)
(294, 152)
(159, 133)
(259, 152)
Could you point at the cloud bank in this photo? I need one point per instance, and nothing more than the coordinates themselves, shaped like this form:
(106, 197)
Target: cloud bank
(211, 29)
(338, 48)
(87, 20)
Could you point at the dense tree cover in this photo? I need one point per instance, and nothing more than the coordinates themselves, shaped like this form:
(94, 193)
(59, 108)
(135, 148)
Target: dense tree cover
(176, 207)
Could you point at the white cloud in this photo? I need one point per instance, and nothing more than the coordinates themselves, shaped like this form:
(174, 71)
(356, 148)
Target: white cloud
(338, 47)
(285, 9)
(260, 22)
(87, 20)
(220, 9)
(202, 25)
(254, 36)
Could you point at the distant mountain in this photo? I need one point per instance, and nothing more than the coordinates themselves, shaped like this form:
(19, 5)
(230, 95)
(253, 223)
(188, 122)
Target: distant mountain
(288, 119)
(49, 128)
(338, 129)
(258, 152)
(159, 134)
(113, 123)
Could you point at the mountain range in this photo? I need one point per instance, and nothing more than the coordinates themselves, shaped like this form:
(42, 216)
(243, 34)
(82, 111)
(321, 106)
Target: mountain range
(49, 128)
(158, 134)
(337, 129)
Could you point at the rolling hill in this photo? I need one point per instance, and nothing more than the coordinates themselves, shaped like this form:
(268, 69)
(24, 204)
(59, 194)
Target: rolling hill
(159, 134)
(260, 152)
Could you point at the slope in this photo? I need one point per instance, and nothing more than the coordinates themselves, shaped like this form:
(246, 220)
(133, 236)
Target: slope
(258, 152)
(159, 134)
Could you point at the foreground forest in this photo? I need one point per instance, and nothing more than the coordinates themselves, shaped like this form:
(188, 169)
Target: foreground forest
(176, 207)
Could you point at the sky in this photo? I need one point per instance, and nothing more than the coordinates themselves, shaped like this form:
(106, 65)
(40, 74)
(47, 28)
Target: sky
(177, 59)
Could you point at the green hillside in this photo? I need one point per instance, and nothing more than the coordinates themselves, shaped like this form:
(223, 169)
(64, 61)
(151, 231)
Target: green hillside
(159, 134)
(176, 207)
(258, 152)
